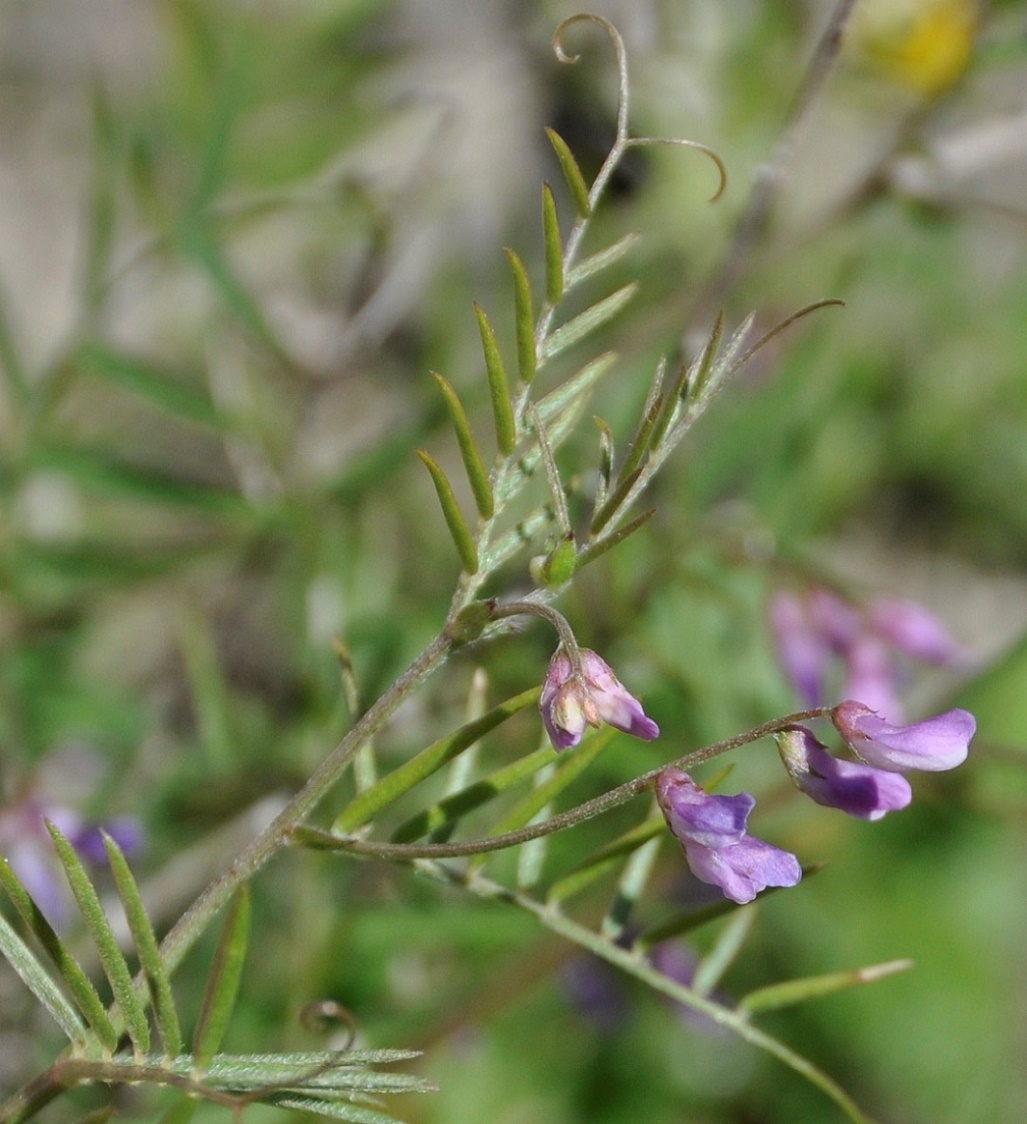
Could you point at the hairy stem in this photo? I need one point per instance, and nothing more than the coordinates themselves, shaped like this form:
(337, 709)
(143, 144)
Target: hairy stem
(276, 835)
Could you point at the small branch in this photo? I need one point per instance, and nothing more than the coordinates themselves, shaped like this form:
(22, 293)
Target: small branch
(276, 835)
(770, 176)
(589, 810)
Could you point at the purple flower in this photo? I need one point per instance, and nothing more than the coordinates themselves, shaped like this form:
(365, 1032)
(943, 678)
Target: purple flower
(712, 830)
(573, 699)
(856, 789)
(824, 640)
(935, 744)
(916, 631)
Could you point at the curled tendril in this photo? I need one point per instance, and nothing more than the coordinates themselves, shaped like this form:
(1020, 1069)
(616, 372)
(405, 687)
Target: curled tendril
(324, 1015)
(639, 142)
(779, 328)
(623, 140)
(622, 62)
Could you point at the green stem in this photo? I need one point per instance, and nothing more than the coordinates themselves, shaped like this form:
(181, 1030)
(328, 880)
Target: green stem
(276, 835)
(737, 1022)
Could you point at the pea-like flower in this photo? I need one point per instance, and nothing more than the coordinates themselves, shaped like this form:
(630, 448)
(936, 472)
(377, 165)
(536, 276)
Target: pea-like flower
(935, 744)
(573, 698)
(859, 790)
(712, 831)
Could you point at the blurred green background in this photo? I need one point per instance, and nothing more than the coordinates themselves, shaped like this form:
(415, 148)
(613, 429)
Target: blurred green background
(234, 240)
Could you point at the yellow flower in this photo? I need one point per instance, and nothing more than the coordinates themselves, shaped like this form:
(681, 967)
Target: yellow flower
(924, 45)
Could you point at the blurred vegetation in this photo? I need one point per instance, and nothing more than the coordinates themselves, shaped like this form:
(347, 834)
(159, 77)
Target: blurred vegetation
(278, 217)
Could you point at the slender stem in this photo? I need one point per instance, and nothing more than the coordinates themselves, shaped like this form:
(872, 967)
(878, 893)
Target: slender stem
(770, 176)
(589, 810)
(276, 835)
(548, 613)
(737, 1022)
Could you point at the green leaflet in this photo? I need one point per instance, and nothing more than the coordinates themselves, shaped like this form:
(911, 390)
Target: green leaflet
(458, 528)
(451, 809)
(600, 260)
(605, 860)
(525, 319)
(38, 981)
(223, 982)
(158, 981)
(571, 173)
(566, 772)
(775, 996)
(78, 983)
(473, 466)
(499, 389)
(600, 313)
(115, 967)
(553, 246)
(364, 806)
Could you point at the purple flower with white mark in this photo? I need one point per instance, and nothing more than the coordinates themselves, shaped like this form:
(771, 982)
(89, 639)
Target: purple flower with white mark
(589, 695)
(935, 744)
(712, 831)
(856, 789)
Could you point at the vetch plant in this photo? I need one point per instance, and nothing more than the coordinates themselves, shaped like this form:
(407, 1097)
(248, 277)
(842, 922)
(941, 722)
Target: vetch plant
(530, 527)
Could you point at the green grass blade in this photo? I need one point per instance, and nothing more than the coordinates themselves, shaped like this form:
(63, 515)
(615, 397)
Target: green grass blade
(499, 388)
(38, 981)
(112, 959)
(165, 391)
(571, 173)
(10, 358)
(208, 692)
(79, 985)
(525, 318)
(95, 470)
(455, 521)
(364, 806)
(553, 246)
(475, 469)
(164, 1014)
(600, 313)
(223, 982)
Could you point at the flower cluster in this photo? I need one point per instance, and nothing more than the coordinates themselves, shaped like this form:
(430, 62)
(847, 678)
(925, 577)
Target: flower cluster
(588, 694)
(581, 690)
(712, 830)
(818, 630)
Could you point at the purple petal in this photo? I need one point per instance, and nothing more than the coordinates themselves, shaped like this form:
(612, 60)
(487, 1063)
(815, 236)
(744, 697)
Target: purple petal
(742, 869)
(802, 649)
(572, 700)
(935, 744)
(712, 831)
(693, 815)
(855, 789)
